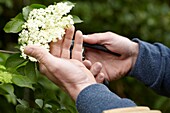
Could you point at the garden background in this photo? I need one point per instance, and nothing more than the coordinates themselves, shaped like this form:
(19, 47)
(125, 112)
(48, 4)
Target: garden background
(144, 19)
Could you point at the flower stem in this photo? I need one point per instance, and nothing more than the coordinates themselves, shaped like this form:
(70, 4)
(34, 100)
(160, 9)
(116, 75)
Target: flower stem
(8, 52)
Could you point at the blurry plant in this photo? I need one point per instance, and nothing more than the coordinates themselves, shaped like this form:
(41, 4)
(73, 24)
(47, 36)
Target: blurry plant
(6, 3)
(20, 81)
(144, 19)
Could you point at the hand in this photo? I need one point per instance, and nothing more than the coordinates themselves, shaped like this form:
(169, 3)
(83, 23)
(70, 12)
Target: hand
(69, 74)
(114, 67)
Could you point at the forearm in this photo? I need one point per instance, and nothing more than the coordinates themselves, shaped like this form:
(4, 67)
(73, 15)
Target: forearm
(152, 66)
(97, 98)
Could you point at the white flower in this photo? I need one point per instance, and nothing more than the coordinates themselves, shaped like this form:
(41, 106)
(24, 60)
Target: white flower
(45, 25)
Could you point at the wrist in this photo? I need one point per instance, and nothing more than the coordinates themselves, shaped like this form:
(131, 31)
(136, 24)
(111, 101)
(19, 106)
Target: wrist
(75, 89)
(135, 51)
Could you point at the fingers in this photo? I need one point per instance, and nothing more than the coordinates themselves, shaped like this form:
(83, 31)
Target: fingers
(77, 49)
(67, 42)
(96, 38)
(61, 48)
(55, 48)
(100, 78)
(87, 63)
(96, 68)
(96, 71)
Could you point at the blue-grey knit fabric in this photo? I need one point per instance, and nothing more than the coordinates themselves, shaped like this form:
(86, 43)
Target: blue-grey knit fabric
(153, 66)
(97, 98)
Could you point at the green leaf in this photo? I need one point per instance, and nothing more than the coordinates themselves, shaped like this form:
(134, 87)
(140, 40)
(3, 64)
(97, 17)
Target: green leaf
(14, 61)
(63, 111)
(14, 26)
(3, 58)
(20, 70)
(70, 3)
(10, 90)
(71, 109)
(25, 11)
(76, 19)
(11, 98)
(23, 109)
(39, 102)
(46, 110)
(22, 81)
(37, 6)
(18, 17)
(3, 92)
(23, 102)
(30, 71)
(47, 106)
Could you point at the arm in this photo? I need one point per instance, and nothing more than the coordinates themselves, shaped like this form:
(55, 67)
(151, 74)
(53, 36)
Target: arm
(148, 63)
(97, 98)
(77, 81)
(152, 66)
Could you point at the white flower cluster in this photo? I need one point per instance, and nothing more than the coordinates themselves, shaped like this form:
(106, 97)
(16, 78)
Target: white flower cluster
(45, 25)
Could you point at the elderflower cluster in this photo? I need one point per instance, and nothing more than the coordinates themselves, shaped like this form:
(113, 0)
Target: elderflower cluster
(45, 25)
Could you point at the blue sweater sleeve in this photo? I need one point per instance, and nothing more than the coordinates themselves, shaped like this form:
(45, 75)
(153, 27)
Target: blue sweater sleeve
(153, 66)
(97, 98)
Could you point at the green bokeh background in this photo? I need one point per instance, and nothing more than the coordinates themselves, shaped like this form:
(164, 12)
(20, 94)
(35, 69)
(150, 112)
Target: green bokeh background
(144, 19)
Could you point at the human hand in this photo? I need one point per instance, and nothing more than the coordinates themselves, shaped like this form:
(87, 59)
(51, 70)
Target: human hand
(69, 74)
(114, 67)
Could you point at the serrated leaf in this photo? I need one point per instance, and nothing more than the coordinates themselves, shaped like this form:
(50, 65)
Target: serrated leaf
(14, 26)
(39, 102)
(76, 19)
(14, 61)
(22, 81)
(30, 71)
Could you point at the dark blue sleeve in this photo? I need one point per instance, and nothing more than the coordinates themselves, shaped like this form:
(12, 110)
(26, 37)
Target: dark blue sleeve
(97, 98)
(153, 66)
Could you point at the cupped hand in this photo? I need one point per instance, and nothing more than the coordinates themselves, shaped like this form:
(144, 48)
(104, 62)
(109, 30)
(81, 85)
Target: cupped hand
(65, 70)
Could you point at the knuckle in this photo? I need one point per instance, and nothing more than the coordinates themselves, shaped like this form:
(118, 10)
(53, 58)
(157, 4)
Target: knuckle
(39, 54)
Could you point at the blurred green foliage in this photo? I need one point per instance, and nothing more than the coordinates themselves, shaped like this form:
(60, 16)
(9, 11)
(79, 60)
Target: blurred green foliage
(144, 19)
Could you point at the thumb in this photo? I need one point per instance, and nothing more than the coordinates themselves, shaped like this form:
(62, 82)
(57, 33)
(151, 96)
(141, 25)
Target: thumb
(96, 38)
(39, 53)
(91, 39)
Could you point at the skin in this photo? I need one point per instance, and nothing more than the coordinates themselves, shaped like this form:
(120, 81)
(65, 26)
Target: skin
(70, 73)
(114, 67)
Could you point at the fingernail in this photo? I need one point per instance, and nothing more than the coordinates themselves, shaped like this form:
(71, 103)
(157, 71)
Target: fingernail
(85, 36)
